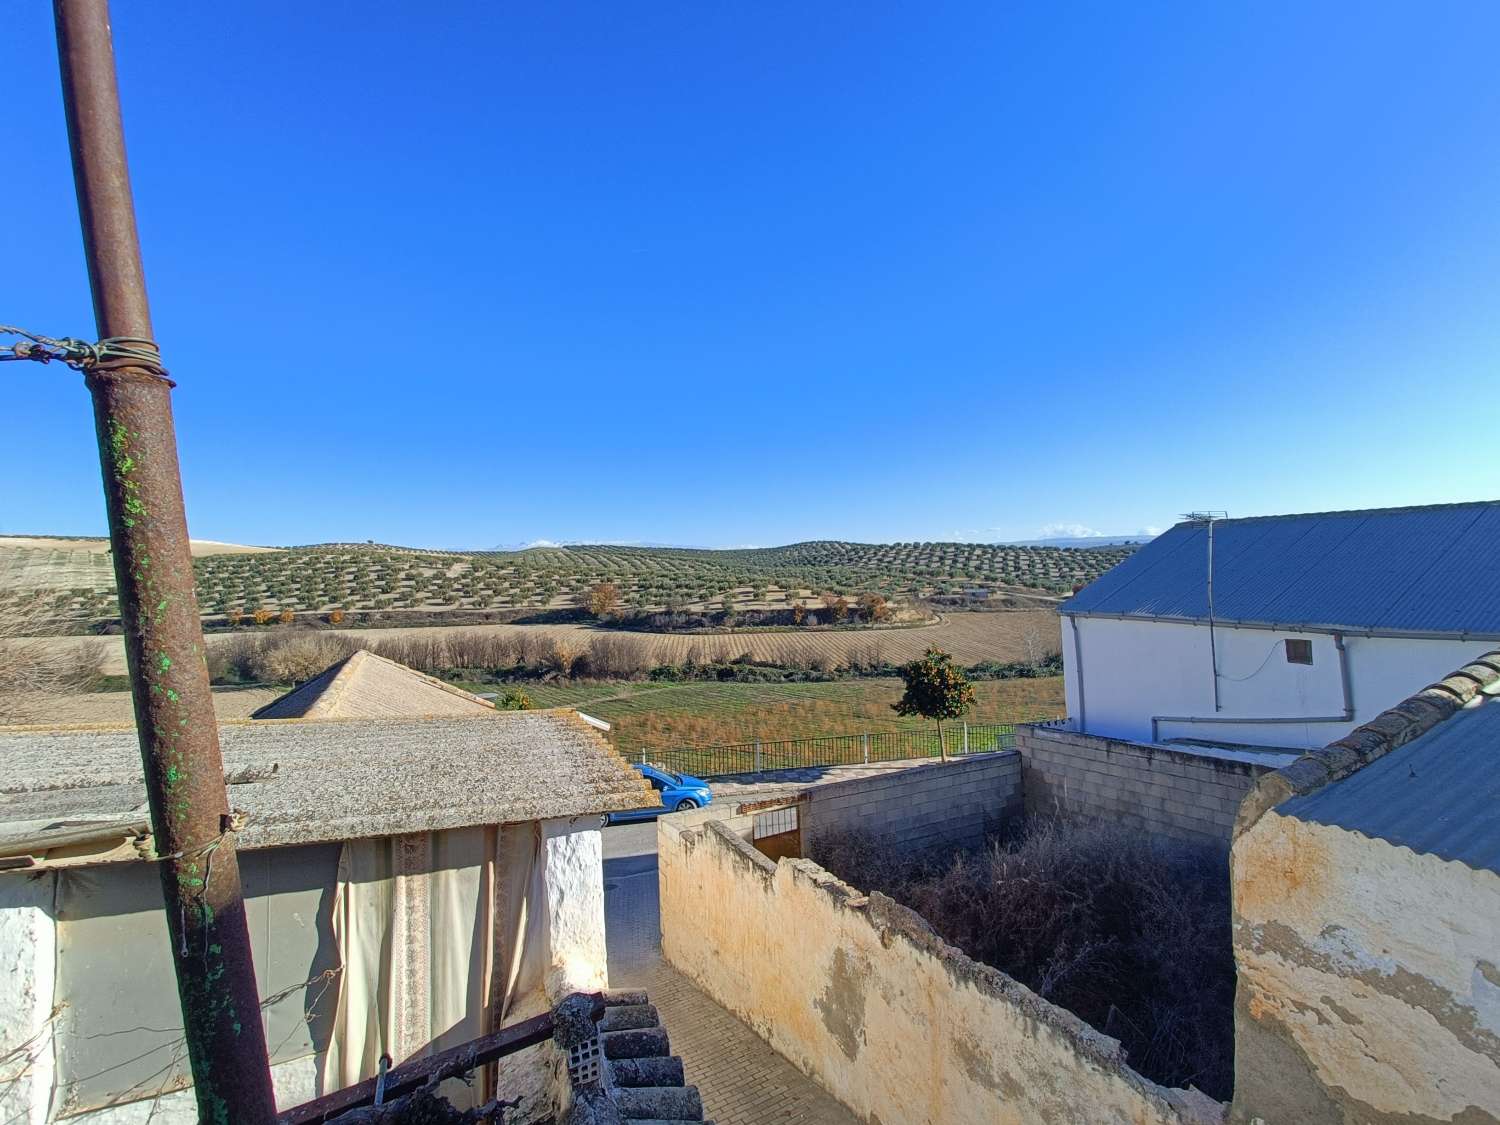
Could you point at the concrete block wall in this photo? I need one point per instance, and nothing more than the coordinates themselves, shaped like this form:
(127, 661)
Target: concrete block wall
(1178, 793)
(948, 805)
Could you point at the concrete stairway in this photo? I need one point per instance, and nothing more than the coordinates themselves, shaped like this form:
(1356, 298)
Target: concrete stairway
(646, 1081)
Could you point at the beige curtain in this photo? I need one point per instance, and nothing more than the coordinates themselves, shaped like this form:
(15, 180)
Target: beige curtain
(438, 936)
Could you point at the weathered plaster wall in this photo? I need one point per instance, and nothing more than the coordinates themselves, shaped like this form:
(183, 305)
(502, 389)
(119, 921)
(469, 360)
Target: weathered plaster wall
(863, 997)
(1369, 981)
(28, 960)
(1183, 794)
(943, 805)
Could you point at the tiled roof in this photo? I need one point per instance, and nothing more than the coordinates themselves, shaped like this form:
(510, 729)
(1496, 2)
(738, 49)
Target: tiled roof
(1424, 775)
(306, 781)
(1402, 570)
(366, 686)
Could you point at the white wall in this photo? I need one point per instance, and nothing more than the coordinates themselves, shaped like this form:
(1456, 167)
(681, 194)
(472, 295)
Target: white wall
(1133, 670)
(575, 906)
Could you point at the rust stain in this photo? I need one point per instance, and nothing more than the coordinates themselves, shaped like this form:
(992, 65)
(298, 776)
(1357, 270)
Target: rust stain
(1281, 856)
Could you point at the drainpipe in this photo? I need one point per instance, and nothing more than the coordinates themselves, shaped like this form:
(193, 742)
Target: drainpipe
(1345, 684)
(174, 715)
(1078, 676)
(1213, 647)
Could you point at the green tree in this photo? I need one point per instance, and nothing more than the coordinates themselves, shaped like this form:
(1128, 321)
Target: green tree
(936, 689)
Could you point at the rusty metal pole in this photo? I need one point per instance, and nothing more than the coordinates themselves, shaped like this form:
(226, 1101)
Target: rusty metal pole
(163, 634)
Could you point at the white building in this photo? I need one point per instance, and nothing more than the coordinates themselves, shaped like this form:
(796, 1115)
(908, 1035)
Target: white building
(411, 884)
(1312, 625)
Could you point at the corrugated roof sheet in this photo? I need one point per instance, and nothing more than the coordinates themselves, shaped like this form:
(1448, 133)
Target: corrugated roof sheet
(366, 686)
(1439, 794)
(307, 781)
(1417, 570)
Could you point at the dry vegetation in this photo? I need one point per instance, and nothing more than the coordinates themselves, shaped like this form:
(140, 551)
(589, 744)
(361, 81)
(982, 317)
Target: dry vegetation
(30, 667)
(969, 637)
(1129, 934)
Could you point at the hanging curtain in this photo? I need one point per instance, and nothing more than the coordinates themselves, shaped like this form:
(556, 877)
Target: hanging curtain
(440, 935)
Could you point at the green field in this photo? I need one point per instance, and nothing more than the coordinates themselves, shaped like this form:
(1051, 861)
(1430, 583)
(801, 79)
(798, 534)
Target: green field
(661, 716)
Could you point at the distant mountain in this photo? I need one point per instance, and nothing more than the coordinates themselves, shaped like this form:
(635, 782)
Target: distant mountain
(546, 544)
(1082, 541)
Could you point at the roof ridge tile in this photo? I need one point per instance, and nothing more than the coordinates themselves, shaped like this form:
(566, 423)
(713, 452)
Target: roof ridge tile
(1393, 728)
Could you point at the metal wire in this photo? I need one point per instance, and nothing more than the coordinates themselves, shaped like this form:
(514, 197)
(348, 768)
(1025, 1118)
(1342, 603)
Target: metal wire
(112, 351)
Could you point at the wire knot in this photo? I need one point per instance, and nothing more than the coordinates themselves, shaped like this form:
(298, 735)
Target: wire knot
(107, 354)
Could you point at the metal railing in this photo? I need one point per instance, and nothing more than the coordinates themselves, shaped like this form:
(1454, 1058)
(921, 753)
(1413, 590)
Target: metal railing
(837, 749)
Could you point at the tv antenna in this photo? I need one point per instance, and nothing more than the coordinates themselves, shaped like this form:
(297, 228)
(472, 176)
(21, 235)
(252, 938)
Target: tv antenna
(1209, 518)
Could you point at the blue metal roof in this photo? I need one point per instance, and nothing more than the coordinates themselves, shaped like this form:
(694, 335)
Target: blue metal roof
(1438, 794)
(1405, 570)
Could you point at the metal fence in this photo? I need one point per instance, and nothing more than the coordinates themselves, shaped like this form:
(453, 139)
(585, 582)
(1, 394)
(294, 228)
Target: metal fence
(836, 749)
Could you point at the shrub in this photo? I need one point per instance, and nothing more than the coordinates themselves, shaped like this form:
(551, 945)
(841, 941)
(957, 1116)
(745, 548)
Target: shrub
(297, 657)
(560, 658)
(513, 700)
(286, 617)
(1129, 934)
(617, 658)
(262, 615)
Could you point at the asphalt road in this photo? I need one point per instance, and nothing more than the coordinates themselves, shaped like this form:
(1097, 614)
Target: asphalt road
(629, 841)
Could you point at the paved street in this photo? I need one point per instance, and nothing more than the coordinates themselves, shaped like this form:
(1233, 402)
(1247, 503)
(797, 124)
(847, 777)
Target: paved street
(742, 1080)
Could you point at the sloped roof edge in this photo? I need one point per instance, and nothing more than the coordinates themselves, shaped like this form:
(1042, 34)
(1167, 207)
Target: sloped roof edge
(1388, 731)
(322, 695)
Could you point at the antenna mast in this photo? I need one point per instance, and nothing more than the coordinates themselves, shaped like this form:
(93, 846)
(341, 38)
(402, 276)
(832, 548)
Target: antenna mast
(1208, 518)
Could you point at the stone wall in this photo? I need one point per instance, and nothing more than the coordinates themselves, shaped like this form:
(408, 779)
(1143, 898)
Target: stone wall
(943, 805)
(1369, 980)
(1185, 794)
(860, 994)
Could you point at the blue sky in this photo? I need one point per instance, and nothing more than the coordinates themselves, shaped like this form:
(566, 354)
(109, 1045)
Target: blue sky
(474, 273)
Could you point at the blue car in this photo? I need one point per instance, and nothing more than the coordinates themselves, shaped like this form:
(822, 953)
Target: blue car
(678, 791)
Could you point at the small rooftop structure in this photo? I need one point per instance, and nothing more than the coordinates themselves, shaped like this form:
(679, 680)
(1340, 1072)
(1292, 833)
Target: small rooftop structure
(307, 781)
(1422, 571)
(366, 686)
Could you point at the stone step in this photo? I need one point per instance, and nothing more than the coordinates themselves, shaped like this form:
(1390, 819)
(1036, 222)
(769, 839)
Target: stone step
(614, 997)
(626, 1017)
(647, 1072)
(659, 1103)
(638, 1043)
